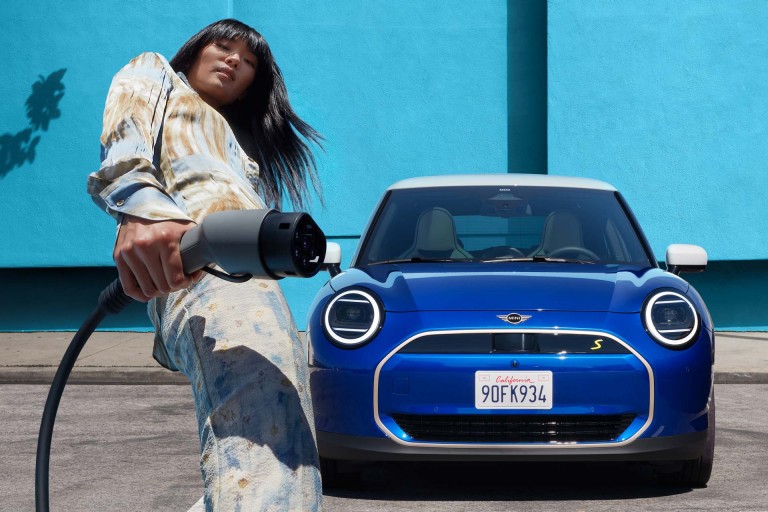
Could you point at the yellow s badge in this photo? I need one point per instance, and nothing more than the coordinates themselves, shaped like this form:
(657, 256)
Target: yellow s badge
(598, 345)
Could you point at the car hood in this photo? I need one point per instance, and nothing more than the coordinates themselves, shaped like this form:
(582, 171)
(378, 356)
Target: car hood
(510, 286)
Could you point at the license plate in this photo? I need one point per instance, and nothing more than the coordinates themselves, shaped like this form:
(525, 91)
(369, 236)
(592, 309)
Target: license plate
(513, 390)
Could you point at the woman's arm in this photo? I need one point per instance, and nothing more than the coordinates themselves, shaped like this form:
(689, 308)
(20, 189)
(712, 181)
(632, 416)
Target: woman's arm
(130, 186)
(129, 180)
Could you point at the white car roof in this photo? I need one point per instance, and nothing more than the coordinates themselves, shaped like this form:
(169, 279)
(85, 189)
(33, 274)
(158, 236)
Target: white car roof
(502, 180)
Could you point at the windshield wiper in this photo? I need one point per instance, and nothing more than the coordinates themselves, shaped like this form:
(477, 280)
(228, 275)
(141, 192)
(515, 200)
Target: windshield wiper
(538, 259)
(417, 260)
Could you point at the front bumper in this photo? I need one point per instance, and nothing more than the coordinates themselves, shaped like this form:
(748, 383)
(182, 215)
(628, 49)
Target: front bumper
(361, 392)
(346, 447)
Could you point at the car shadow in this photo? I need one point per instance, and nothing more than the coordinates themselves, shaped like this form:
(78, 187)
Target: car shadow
(497, 481)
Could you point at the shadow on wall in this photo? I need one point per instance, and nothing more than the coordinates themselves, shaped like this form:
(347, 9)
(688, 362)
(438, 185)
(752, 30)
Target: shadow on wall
(734, 293)
(527, 86)
(42, 106)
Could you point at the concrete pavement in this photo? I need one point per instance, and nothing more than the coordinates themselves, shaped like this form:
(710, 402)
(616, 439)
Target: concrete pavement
(126, 358)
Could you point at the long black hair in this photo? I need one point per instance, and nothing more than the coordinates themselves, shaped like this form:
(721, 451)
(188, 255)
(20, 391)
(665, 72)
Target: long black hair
(263, 121)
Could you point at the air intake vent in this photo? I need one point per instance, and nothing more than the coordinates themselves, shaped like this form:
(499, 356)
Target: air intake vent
(538, 428)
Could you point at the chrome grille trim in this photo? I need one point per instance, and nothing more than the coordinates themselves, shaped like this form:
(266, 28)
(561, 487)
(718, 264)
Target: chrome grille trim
(511, 446)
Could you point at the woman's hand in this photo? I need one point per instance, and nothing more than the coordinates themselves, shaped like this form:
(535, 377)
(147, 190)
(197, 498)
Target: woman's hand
(148, 258)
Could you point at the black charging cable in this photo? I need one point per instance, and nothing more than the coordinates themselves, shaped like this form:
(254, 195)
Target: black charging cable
(112, 300)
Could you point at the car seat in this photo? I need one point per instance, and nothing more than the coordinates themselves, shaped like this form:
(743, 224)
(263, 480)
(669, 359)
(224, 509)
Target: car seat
(561, 229)
(435, 237)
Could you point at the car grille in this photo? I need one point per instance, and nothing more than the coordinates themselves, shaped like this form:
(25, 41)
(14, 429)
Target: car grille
(513, 342)
(515, 428)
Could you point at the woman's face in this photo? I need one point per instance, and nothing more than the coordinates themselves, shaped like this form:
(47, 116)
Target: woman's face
(223, 71)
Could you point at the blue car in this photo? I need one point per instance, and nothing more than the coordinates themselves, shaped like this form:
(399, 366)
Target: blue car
(512, 318)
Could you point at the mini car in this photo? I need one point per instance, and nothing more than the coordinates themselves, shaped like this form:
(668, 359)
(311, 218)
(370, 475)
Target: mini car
(512, 317)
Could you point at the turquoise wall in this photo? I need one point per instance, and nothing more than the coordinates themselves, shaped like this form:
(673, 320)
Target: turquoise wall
(396, 92)
(664, 100)
(396, 88)
(46, 218)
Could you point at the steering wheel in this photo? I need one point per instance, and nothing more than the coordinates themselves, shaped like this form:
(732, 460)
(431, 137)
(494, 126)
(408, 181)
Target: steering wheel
(503, 252)
(583, 251)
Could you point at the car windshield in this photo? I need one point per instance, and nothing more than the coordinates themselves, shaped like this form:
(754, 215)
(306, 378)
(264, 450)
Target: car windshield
(498, 224)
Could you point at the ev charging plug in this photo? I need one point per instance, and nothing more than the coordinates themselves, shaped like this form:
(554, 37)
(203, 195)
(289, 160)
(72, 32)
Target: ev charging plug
(251, 243)
(243, 243)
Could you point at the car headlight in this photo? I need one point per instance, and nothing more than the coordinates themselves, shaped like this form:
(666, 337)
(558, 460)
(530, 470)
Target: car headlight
(353, 318)
(671, 319)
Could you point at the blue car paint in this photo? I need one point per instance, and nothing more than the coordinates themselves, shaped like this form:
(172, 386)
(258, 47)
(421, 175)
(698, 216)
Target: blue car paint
(548, 286)
(607, 302)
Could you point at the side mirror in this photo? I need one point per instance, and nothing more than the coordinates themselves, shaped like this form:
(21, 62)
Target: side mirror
(332, 261)
(686, 258)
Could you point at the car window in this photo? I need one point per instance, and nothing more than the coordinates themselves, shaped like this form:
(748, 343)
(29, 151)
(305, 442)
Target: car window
(478, 232)
(500, 224)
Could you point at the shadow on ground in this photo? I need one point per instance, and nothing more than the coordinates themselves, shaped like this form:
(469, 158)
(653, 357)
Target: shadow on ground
(468, 481)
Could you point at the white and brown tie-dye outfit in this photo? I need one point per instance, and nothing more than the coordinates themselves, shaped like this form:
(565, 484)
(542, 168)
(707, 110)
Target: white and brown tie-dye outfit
(169, 155)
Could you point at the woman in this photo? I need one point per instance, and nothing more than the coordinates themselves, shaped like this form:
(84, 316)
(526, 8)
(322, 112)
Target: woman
(213, 130)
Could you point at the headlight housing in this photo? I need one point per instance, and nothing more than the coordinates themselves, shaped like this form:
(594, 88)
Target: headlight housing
(671, 319)
(353, 318)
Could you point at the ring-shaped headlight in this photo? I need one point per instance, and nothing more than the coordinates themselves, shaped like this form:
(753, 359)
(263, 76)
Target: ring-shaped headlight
(671, 319)
(353, 318)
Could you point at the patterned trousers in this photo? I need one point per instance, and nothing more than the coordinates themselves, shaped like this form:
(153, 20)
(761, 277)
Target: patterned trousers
(238, 346)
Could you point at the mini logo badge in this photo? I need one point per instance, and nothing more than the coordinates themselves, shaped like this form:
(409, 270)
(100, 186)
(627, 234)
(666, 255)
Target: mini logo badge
(514, 318)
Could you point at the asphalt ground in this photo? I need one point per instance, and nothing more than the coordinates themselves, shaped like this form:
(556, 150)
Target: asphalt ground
(126, 358)
(136, 448)
(150, 443)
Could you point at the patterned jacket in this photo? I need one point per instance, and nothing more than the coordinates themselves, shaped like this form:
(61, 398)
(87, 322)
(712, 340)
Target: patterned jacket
(166, 154)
